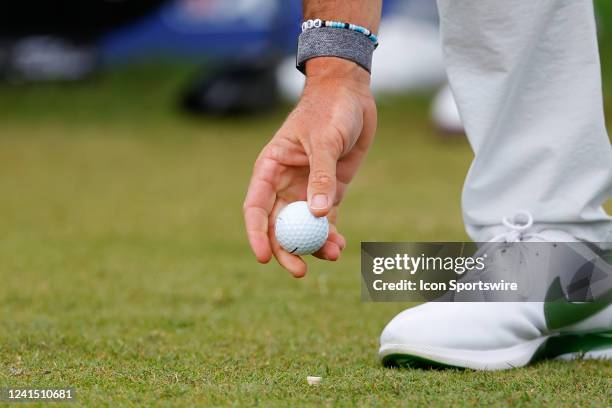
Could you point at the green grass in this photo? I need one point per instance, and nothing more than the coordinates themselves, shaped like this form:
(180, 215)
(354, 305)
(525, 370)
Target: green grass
(124, 271)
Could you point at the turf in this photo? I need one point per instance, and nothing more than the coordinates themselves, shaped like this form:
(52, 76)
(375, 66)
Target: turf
(125, 273)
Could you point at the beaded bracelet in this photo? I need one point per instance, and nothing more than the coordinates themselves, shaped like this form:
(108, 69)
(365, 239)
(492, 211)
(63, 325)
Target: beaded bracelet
(318, 23)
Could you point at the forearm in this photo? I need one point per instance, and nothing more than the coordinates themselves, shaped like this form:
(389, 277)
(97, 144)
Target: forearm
(365, 13)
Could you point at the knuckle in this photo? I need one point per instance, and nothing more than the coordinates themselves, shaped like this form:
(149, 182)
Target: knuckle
(261, 163)
(320, 179)
(276, 153)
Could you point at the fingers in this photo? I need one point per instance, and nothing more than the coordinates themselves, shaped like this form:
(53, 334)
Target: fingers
(294, 264)
(256, 222)
(322, 179)
(258, 205)
(337, 239)
(334, 246)
(330, 251)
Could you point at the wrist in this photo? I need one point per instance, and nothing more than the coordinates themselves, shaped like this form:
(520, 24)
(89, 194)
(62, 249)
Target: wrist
(335, 68)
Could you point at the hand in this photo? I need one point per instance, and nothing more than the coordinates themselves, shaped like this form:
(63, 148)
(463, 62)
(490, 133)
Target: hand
(313, 156)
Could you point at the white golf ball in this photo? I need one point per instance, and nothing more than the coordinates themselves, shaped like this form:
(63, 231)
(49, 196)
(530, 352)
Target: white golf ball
(298, 231)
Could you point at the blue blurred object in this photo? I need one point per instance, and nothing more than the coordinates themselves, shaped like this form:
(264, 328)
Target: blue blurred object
(194, 29)
(211, 29)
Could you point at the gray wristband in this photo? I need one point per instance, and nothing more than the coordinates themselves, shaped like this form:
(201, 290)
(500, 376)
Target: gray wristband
(333, 42)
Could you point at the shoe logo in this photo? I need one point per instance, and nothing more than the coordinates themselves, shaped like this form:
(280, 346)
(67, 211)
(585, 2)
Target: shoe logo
(560, 312)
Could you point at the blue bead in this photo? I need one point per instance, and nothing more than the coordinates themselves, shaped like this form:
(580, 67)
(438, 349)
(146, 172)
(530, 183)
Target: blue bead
(317, 23)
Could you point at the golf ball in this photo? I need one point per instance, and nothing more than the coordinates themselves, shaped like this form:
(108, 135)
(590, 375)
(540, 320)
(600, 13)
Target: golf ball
(298, 231)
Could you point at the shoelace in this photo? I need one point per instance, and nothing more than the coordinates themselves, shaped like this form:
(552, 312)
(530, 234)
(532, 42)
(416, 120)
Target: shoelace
(518, 230)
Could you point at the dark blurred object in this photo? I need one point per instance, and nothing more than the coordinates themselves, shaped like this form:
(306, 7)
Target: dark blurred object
(234, 89)
(76, 20)
(57, 40)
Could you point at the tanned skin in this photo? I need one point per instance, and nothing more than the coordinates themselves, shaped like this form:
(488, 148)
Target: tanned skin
(317, 151)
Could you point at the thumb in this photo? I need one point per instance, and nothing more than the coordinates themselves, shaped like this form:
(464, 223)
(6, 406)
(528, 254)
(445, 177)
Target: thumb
(322, 180)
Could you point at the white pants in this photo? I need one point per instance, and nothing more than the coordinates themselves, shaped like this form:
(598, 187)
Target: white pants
(526, 77)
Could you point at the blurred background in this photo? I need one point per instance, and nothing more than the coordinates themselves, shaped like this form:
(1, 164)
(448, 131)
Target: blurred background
(128, 129)
(241, 52)
(234, 58)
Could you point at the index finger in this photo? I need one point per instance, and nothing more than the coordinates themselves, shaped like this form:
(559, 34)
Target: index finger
(258, 205)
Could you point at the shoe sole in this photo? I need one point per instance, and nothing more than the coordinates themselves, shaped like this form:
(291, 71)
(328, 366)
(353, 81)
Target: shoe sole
(560, 346)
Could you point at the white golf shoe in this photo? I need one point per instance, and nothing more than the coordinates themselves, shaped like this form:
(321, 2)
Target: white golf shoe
(496, 336)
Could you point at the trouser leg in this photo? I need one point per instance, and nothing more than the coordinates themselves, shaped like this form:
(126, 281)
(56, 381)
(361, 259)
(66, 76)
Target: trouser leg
(526, 77)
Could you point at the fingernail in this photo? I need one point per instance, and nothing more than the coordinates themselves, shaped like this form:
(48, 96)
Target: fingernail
(318, 202)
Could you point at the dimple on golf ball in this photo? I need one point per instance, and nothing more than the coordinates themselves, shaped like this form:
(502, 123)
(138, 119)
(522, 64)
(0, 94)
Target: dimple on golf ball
(298, 231)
